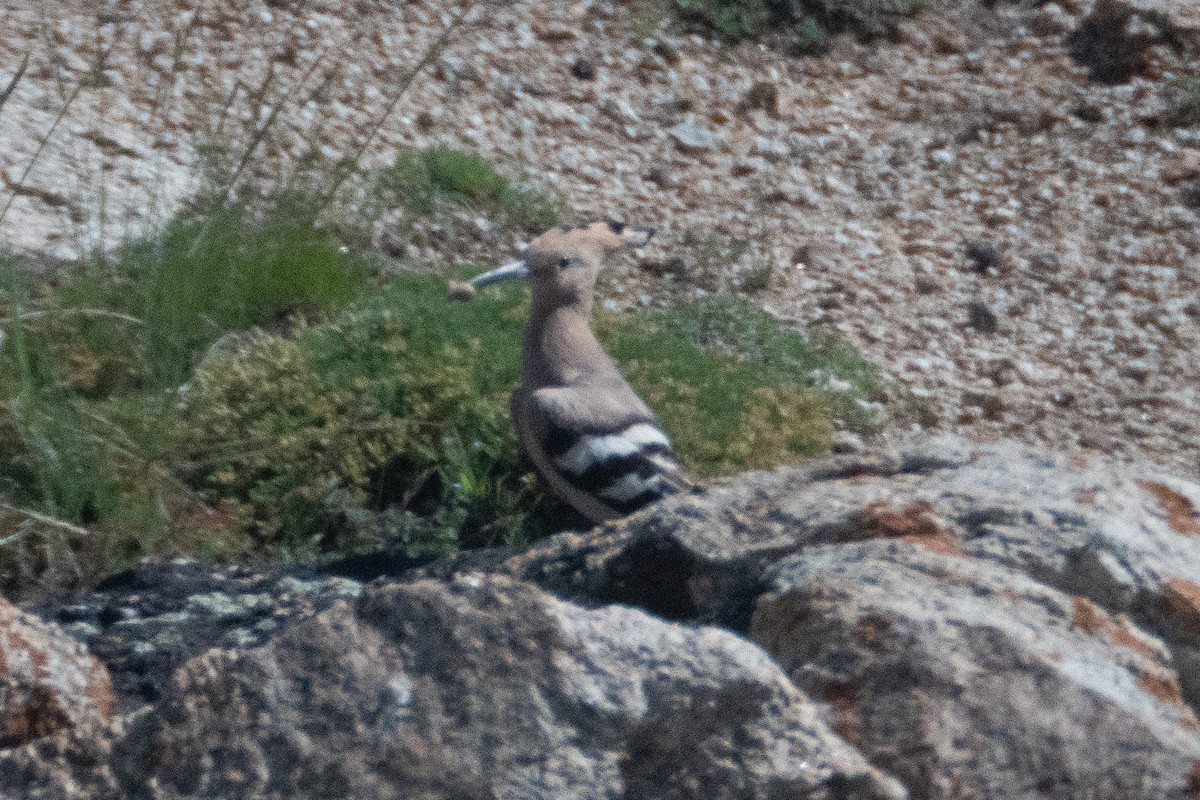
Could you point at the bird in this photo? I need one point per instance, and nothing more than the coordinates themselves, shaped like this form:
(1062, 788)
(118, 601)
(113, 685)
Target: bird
(594, 441)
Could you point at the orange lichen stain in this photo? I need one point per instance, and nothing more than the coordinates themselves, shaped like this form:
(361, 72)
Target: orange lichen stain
(1089, 616)
(1182, 599)
(1087, 497)
(1093, 619)
(1012, 596)
(1082, 459)
(871, 629)
(1181, 513)
(1193, 784)
(915, 523)
(1161, 686)
(99, 690)
(844, 708)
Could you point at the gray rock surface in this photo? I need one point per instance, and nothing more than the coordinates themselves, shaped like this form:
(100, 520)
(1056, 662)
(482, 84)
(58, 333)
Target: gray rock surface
(48, 681)
(949, 620)
(483, 688)
(950, 672)
(145, 624)
(1125, 539)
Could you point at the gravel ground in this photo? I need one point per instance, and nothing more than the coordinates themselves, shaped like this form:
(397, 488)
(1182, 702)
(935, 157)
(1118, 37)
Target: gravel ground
(1015, 245)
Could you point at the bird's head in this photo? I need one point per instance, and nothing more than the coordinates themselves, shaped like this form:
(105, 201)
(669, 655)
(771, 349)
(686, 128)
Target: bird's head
(562, 264)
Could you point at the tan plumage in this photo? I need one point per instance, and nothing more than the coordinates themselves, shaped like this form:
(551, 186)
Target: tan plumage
(591, 437)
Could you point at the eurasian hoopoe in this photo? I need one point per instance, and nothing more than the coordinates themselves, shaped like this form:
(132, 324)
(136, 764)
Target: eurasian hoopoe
(591, 437)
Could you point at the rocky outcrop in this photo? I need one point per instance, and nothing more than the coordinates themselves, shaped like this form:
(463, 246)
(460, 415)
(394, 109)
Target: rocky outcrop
(484, 687)
(939, 620)
(48, 681)
(950, 673)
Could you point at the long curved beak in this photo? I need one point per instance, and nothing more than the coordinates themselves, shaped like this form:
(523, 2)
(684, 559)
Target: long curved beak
(517, 268)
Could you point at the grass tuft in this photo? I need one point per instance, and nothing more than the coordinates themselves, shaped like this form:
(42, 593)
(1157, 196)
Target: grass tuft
(423, 180)
(217, 268)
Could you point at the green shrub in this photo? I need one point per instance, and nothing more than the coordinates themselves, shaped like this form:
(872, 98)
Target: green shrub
(390, 422)
(421, 179)
(385, 426)
(727, 382)
(83, 483)
(217, 268)
(88, 365)
(739, 329)
(732, 19)
(402, 403)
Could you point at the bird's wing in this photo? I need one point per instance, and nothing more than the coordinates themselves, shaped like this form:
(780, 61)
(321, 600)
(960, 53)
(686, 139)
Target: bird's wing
(600, 449)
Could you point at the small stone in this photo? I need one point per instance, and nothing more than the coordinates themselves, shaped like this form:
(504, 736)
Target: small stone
(1136, 369)
(1003, 372)
(660, 177)
(984, 257)
(692, 138)
(763, 96)
(925, 284)
(666, 52)
(584, 69)
(847, 442)
(982, 318)
(1185, 166)
(990, 403)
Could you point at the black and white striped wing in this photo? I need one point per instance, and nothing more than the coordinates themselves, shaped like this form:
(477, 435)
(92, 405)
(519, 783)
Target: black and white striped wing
(605, 457)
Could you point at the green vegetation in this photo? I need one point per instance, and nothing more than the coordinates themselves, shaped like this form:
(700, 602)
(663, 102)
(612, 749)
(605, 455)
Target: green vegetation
(238, 387)
(736, 389)
(89, 365)
(217, 268)
(425, 180)
(400, 404)
(732, 19)
(383, 424)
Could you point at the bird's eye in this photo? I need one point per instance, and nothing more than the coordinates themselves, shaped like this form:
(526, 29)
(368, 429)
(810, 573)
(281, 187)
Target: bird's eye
(566, 262)
(616, 227)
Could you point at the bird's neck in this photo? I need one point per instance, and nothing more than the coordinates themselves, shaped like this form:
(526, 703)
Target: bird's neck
(560, 347)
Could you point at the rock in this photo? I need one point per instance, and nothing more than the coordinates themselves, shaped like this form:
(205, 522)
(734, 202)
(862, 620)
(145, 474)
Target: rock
(662, 177)
(926, 284)
(990, 679)
(763, 96)
(665, 51)
(990, 403)
(48, 681)
(982, 318)
(146, 623)
(956, 615)
(583, 69)
(983, 257)
(490, 688)
(847, 442)
(1181, 17)
(1105, 43)
(693, 139)
(1092, 530)
(1184, 166)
